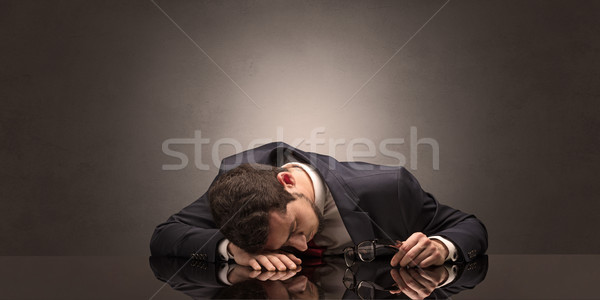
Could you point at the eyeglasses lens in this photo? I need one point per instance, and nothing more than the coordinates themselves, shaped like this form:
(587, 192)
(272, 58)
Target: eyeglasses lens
(348, 279)
(349, 256)
(366, 251)
(365, 290)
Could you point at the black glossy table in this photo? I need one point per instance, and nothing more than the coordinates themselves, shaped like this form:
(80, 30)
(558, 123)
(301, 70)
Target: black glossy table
(68, 277)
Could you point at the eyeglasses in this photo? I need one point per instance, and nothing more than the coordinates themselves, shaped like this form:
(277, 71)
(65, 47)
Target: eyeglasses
(367, 251)
(364, 289)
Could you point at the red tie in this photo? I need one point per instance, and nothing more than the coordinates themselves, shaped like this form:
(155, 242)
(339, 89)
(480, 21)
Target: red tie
(313, 255)
(314, 250)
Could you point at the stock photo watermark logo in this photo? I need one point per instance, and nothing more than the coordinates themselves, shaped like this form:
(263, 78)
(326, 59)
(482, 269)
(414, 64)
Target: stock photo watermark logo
(356, 149)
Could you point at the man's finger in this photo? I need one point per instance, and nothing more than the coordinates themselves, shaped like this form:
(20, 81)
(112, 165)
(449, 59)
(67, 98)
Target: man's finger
(289, 274)
(274, 259)
(426, 274)
(254, 273)
(277, 275)
(408, 245)
(265, 262)
(398, 280)
(410, 242)
(293, 257)
(287, 261)
(413, 287)
(428, 285)
(397, 258)
(430, 261)
(411, 254)
(436, 274)
(427, 253)
(266, 275)
(254, 264)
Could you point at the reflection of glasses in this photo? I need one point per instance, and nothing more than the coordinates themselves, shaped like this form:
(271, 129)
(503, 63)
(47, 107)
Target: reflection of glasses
(364, 289)
(367, 251)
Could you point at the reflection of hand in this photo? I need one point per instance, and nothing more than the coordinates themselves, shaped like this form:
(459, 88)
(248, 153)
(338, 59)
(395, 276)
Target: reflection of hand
(418, 283)
(419, 250)
(272, 275)
(271, 261)
(298, 287)
(242, 273)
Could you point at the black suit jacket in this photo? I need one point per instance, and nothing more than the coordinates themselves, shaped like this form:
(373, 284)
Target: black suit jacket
(374, 202)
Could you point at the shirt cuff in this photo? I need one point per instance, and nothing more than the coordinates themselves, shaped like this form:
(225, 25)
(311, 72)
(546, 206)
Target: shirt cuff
(452, 253)
(222, 249)
(452, 271)
(224, 270)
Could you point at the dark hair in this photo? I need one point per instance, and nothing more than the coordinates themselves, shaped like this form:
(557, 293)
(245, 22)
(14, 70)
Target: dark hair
(240, 202)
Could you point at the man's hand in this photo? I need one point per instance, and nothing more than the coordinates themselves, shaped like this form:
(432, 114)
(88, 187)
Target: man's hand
(417, 283)
(419, 250)
(272, 261)
(243, 273)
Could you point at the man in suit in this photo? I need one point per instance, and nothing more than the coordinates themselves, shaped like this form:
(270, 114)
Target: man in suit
(294, 197)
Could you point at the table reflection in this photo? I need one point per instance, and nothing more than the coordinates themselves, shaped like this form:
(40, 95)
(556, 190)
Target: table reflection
(327, 279)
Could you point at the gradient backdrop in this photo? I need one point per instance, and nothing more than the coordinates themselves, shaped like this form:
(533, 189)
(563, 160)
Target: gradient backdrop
(91, 90)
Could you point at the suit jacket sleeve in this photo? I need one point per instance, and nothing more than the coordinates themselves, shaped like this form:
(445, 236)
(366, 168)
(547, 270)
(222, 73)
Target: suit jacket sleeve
(398, 206)
(467, 233)
(191, 231)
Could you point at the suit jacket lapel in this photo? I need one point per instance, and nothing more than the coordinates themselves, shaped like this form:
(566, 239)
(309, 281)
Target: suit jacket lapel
(357, 221)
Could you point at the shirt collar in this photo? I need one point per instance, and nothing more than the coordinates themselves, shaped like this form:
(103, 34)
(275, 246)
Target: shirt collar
(317, 183)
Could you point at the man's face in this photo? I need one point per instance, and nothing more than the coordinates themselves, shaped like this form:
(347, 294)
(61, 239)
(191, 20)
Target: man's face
(296, 227)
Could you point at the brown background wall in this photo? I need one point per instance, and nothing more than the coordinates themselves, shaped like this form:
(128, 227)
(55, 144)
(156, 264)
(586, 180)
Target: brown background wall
(90, 90)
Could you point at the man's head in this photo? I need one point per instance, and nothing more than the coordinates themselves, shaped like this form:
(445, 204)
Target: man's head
(260, 207)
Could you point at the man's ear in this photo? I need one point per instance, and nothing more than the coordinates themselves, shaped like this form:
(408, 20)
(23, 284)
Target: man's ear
(286, 179)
